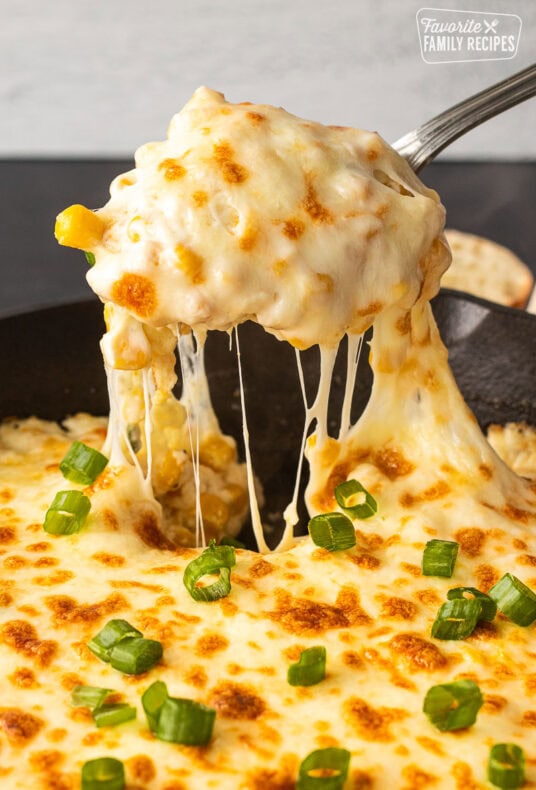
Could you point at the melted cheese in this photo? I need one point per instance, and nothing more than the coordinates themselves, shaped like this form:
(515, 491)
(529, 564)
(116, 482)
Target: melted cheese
(369, 606)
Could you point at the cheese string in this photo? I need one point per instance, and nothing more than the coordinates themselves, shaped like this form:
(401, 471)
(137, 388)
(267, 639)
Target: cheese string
(190, 369)
(353, 353)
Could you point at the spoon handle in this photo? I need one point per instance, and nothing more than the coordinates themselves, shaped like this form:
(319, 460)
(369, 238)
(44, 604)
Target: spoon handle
(423, 144)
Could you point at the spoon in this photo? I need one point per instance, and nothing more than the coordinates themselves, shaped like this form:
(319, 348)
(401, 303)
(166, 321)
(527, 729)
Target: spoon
(425, 142)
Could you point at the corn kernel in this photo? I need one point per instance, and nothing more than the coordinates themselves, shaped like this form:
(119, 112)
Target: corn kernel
(190, 263)
(79, 227)
(236, 497)
(215, 512)
(217, 453)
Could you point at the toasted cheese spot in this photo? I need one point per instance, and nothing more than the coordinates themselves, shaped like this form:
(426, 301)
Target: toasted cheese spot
(352, 659)
(371, 724)
(261, 568)
(141, 768)
(24, 678)
(431, 745)
(38, 547)
(494, 703)
(22, 637)
(6, 599)
(110, 560)
(293, 228)
(437, 491)
(366, 561)
(15, 562)
(429, 597)
(210, 644)
(392, 463)
(486, 577)
(370, 309)
(6, 495)
(268, 779)
(46, 760)
(256, 118)
(135, 292)
(399, 609)
(248, 239)
(146, 527)
(463, 775)
(66, 610)
(236, 701)
(59, 577)
(318, 213)
(46, 562)
(190, 264)
(7, 535)
(413, 570)
(361, 780)
(530, 684)
(196, 676)
(326, 282)
(231, 171)
(527, 559)
(417, 778)
(483, 632)
(471, 540)
(420, 654)
(200, 198)
(172, 169)
(18, 726)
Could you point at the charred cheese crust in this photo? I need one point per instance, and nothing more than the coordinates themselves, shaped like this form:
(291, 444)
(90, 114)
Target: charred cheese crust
(370, 607)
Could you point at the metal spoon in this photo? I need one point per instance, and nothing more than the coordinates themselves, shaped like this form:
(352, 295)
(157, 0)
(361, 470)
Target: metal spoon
(423, 144)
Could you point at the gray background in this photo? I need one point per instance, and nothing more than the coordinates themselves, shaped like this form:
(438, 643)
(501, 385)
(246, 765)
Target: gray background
(100, 77)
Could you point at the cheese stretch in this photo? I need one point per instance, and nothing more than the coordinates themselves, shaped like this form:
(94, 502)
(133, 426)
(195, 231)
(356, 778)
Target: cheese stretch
(246, 212)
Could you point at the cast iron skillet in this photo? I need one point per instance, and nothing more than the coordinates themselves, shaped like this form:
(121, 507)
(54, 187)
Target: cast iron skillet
(50, 366)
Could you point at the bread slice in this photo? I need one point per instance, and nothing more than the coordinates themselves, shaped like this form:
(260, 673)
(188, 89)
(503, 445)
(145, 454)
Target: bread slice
(484, 268)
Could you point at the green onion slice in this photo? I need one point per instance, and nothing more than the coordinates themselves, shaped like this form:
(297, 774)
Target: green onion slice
(89, 696)
(453, 706)
(185, 721)
(213, 560)
(67, 513)
(112, 633)
(227, 540)
(177, 720)
(325, 769)
(457, 619)
(104, 773)
(489, 607)
(332, 531)
(110, 715)
(133, 656)
(506, 765)
(152, 700)
(310, 669)
(82, 464)
(514, 599)
(355, 500)
(90, 258)
(439, 558)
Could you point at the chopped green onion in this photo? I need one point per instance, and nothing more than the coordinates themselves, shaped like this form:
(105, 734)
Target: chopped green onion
(82, 464)
(185, 721)
(325, 769)
(515, 599)
(310, 669)
(134, 437)
(67, 513)
(110, 715)
(489, 607)
(439, 558)
(90, 258)
(135, 656)
(355, 500)
(332, 531)
(227, 540)
(152, 700)
(89, 696)
(457, 619)
(112, 633)
(213, 560)
(177, 720)
(104, 773)
(453, 706)
(506, 765)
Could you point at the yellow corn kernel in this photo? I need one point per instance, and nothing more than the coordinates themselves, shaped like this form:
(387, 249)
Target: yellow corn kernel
(79, 227)
(190, 263)
(217, 453)
(215, 513)
(236, 497)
